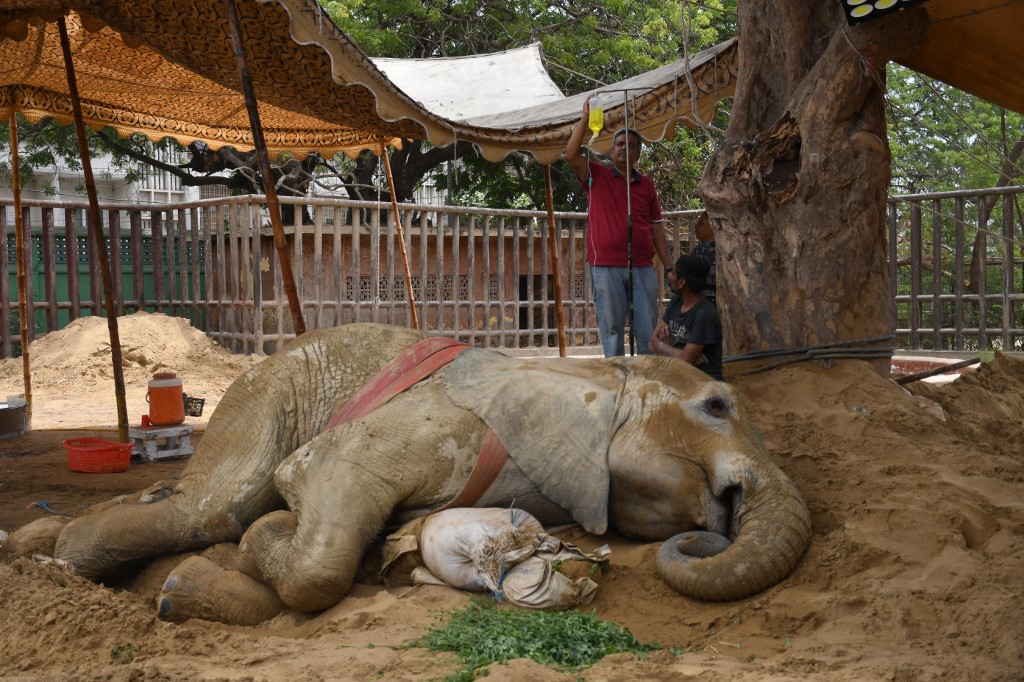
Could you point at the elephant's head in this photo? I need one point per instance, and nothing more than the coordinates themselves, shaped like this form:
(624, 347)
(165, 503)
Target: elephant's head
(654, 447)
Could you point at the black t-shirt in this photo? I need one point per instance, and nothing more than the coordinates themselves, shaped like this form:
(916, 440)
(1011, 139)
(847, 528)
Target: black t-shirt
(700, 324)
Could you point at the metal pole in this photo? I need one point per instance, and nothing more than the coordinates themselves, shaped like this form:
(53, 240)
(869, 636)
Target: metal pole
(19, 243)
(401, 241)
(629, 228)
(555, 271)
(269, 190)
(96, 229)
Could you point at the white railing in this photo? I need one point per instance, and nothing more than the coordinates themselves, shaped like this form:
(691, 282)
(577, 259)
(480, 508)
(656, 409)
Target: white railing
(481, 275)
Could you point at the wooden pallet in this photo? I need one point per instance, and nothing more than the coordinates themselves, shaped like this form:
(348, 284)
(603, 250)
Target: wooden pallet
(160, 442)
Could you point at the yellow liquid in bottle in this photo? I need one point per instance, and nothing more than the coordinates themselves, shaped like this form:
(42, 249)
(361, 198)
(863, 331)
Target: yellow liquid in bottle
(596, 122)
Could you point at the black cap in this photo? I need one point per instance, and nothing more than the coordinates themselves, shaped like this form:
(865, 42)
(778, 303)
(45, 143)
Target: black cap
(694, 271)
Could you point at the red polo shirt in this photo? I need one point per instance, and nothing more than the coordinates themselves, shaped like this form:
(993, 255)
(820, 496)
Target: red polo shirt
(606, 223)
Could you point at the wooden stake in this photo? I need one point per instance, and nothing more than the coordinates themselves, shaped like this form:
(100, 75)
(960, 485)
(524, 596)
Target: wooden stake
(96, 230)
(935, 371)
(20, 244)
(553, 249)
(270, 191)
(401, 241)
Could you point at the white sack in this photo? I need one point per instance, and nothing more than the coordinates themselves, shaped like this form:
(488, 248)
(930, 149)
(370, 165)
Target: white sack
(502, 551)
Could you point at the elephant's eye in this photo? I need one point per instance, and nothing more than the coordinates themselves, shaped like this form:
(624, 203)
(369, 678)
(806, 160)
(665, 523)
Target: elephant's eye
(717, 406)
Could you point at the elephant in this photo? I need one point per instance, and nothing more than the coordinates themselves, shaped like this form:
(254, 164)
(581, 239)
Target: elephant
(648, 445)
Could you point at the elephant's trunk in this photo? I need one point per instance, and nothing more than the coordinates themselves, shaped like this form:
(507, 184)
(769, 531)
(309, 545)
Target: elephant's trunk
(772, 529)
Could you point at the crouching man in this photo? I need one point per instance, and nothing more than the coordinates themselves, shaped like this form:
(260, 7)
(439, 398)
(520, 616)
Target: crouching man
(690, 329)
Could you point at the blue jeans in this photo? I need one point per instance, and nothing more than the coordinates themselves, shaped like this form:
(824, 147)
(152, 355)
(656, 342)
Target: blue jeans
(608, 286)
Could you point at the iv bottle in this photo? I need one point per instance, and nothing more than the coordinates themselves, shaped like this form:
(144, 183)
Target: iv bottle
(596, 122)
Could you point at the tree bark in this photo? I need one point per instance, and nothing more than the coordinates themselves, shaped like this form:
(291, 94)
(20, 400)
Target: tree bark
(798, 188)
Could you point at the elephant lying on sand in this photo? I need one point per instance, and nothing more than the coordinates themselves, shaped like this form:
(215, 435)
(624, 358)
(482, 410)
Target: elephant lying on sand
(647, 444)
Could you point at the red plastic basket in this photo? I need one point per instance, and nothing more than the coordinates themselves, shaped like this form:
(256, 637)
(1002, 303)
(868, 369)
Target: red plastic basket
(98, 456)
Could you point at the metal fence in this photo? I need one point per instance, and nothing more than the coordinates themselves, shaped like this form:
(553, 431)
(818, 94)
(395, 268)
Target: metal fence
(481, 275)
(955, 261)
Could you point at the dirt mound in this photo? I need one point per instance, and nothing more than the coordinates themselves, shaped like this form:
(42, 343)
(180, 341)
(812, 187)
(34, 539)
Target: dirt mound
(913, 573)
(73, 376)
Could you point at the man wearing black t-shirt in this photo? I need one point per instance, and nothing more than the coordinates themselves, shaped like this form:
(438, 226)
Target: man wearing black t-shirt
(690, 329)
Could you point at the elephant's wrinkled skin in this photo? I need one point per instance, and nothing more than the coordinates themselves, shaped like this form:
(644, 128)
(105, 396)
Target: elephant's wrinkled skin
(648, 444)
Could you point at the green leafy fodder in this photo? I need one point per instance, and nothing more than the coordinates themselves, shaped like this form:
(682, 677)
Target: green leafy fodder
(482, 634)
(124, 653)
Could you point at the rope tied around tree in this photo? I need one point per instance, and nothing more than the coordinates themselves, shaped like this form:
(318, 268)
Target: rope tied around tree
(840, 350)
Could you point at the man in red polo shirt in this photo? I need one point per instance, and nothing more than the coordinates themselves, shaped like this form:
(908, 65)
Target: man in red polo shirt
(608, 236)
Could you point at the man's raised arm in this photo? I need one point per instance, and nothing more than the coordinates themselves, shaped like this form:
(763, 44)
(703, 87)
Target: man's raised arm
(577, 160)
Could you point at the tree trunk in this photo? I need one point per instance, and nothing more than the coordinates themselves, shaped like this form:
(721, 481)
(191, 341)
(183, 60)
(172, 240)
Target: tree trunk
(1006, 175)
(798, 187)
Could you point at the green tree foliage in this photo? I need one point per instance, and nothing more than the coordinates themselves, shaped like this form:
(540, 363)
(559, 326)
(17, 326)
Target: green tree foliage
(43, 145)
(47, 144)
(945, 139)
(585, 44)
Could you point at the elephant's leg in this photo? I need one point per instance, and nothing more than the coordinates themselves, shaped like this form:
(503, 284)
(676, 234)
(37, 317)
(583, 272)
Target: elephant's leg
(228, 483)
(199, 588)
(96, 544)
(413, 454)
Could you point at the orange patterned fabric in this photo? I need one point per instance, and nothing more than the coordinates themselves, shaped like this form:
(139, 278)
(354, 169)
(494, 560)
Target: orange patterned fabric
(165, 68)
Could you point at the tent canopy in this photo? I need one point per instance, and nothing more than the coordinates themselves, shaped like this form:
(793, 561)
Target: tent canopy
(165, 68)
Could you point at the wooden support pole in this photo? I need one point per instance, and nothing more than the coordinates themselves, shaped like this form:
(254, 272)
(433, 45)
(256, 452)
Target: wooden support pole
(96, 230)
(935, 371)
(401, 241)
(553, 249)
(20, 240)
(269, 189)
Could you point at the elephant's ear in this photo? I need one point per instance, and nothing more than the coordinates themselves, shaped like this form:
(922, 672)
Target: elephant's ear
(556, 417)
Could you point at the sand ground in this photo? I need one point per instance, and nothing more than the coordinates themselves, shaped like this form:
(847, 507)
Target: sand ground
(915, 570)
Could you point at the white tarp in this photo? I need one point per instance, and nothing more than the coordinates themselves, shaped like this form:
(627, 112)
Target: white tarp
(461, 88)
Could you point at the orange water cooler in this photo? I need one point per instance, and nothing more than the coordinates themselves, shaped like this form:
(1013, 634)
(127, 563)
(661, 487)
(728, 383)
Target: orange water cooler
(166, 402)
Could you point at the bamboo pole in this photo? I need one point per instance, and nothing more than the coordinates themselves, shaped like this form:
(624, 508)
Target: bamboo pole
(269, 189)
(96, 230)
(553, 248)
(19, 248)
(401, 242)
(935, 371)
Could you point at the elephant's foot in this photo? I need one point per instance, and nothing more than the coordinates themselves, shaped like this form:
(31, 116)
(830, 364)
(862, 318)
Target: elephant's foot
(265, 548)
(199, 588)
(309, 577)
(38, 537)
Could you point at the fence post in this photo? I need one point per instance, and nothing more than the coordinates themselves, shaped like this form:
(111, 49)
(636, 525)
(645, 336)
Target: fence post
(49, 269)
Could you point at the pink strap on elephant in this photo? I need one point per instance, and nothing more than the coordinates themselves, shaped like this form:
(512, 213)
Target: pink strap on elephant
(412, 365)
(488, 465)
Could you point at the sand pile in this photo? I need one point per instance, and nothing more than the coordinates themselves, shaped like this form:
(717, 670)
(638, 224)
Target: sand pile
(913, 573)
(73, 377)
